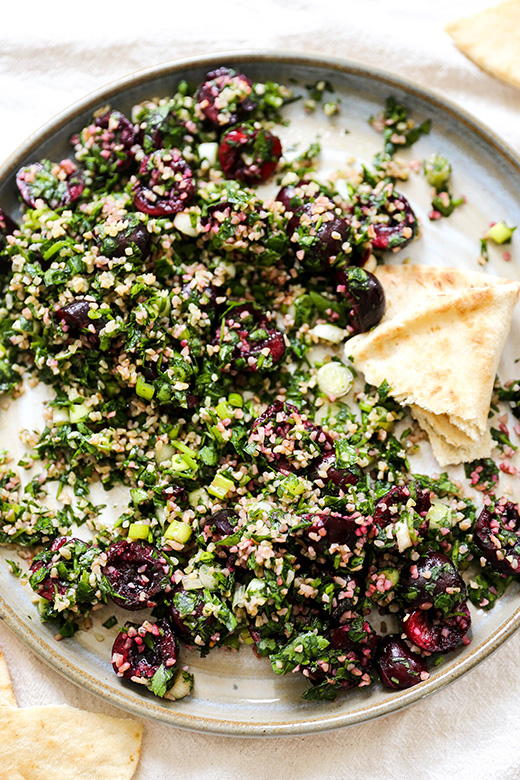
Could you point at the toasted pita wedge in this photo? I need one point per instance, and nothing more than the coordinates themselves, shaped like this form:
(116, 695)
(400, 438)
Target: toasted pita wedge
(37, 742)
(448, 443)
(409, 286)
(438, 347)
(492, 40)
(7, 697)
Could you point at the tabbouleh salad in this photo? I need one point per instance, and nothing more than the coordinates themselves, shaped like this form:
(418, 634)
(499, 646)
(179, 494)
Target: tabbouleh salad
(174, 312)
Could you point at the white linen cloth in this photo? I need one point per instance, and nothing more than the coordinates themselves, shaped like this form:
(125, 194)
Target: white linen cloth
(53, 53)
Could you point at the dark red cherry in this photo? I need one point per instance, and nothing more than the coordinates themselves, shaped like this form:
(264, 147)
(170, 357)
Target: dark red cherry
(165, 183)
(398, 666)
(332, 528)
(221, 524)
(75, 316)
(249, 154)
(224, 95)
(132, 234)
(293, 196)
(433, 580)
(318, 235)
(49, 586)
(435, 632)
(497, 535)
(334, 477)
(248, 341)
(106, 145)
(137, 572)
(387, 507)
(362, 295)
(391, 219)
(139, 650)
(283, 427)
(57, 184)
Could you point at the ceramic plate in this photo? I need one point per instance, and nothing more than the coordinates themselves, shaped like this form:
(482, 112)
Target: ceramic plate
(238, 694)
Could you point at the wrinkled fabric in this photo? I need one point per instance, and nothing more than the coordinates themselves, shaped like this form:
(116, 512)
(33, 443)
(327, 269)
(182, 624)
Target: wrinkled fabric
(52, 54)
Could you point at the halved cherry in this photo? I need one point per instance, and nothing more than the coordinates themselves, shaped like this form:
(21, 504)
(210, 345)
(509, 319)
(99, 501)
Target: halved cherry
(327, 471)
(75, 316)
(165, 183)
(137, 572)
(362, 295)
(319, 235)
(497, 536)
(433, 580)
(106, 145)
(249, 154)
(387, 507)
(248, 341)
(224, 95)
(140, 650)
(435, 632)
(398, 666)
(285, 436)
(57, 184)
(130, 233)
(391, 220)
(50, 585)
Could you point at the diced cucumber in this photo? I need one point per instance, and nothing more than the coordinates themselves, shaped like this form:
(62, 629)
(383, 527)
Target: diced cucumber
(60, 416)
(236, 400)
(500, 233)
(78, 412)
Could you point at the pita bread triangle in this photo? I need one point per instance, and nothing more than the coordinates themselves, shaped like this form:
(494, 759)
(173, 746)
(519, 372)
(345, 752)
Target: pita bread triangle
(491, 39)
(37, 741)
(438, 347)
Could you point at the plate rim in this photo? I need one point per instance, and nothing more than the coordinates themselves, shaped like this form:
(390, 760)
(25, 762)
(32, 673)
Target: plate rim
(148, 708)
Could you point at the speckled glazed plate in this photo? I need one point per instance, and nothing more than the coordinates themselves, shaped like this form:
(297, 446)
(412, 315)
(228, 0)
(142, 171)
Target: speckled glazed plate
(238, 694)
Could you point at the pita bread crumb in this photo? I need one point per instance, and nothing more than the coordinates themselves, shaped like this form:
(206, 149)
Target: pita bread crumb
(492, 40)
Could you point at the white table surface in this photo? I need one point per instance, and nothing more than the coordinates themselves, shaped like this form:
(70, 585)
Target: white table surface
(52, 54)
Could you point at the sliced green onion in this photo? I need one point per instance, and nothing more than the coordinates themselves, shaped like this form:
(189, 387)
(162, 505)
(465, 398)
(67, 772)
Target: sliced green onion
(138, 531)
(334, 379)
(220, 486)
(144, 389)
(294, 485)
(182, 687)
(138, 495)
(328, 332)
(180, 463)
(198, 497)
(54, 249)
(224, 410)
(178, 531)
